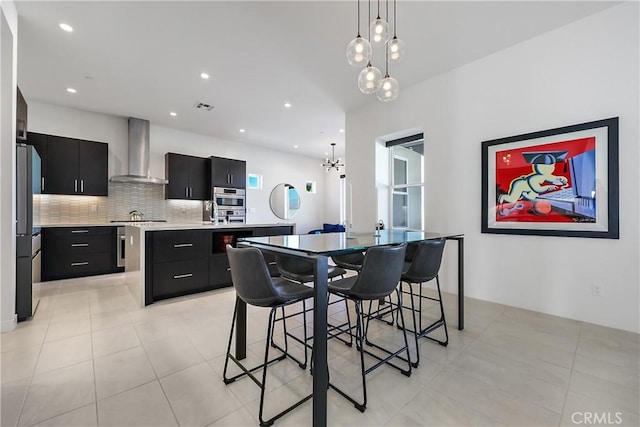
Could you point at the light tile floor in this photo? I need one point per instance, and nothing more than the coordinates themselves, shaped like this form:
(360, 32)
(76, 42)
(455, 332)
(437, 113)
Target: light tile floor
(92, 357)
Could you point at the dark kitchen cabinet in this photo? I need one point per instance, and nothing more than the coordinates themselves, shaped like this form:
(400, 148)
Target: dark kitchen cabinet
(179, 263)
(72, 166)
(77, 251)
(21, 118)
(229, 173)
(39, 142)
(188, 177)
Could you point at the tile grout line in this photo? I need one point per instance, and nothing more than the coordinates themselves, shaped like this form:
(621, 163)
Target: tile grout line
(33, 374)
(164, 393)
(93, 365)
(575, 353)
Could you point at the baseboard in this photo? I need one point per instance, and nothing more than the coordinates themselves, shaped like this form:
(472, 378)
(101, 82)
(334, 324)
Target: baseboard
(8, 325)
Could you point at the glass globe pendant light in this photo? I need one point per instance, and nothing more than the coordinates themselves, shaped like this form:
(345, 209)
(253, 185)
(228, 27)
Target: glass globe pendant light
(379, 30)
(358, 52)
(369, 79)
(389, 87)
(396, 47)
(359, 49)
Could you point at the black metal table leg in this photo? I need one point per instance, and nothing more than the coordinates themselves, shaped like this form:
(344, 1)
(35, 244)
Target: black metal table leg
(241, 330)
(320, 370)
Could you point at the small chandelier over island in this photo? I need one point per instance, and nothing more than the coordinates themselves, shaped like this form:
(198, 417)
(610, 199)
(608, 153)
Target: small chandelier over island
(333, 163)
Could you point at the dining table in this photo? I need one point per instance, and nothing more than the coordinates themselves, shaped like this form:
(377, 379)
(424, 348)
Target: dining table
(318, 248)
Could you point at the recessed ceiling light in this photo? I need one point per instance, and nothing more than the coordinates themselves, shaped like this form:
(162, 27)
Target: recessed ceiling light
(295, 146)
(71, 90)
(287, 105)
(173, 114)
(242, 131)
(326, 154)
(66, 27)
(204, 75)
(341, 131)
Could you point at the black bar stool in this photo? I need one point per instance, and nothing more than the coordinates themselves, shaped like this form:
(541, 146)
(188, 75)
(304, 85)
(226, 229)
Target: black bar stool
(301, 271)
(378, 278)
(254, 285)
(424, 267)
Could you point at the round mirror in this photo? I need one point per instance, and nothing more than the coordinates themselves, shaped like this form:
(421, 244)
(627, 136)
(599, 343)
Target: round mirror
(284, 201)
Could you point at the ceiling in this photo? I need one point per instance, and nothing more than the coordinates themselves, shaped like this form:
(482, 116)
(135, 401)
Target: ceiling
(144, 59)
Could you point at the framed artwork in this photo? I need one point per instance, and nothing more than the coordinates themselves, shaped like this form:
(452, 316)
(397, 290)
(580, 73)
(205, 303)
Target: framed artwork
(556, 182)
(310, 186)
(254, 181)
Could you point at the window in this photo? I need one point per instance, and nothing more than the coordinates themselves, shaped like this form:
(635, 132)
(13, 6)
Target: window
(407, 182)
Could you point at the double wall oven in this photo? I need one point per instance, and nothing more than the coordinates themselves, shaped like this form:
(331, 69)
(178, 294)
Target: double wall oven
(231, 203)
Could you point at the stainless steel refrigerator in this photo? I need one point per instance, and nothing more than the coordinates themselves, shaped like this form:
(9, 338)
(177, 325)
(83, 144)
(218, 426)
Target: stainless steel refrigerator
(28, 179)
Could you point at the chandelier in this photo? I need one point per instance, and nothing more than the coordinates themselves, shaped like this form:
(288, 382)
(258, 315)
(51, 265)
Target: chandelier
(360, 53)
(333, 163)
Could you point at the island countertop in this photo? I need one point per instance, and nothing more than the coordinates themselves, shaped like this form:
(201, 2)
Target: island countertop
(151, 225)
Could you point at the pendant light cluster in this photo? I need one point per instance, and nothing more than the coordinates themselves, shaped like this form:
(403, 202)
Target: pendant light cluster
(360, 53)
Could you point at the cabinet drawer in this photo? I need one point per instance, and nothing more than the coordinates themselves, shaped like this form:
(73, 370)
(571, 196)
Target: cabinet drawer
(77, 244)
(219, 273)
(178, 278)
(180, 245)
(77, 231)
(64, 266)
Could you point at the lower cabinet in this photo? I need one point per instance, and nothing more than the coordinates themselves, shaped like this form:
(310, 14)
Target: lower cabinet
(181, 262)
(180, 278)
(69, 252)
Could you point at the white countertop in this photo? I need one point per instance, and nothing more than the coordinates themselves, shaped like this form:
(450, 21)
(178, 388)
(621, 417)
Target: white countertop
(159, 226)
(151, 226)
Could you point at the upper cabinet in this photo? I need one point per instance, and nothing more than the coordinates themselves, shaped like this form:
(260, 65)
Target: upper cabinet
(72, 166)
(228, 173)
(21, 118)
(188, 177)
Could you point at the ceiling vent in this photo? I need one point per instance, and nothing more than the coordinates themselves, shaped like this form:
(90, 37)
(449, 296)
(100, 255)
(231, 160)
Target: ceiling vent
(203, 106)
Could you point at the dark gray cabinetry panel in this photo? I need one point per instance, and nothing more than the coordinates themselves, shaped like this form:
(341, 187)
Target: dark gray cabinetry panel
(229, 173)
(72, 166)
(78, 251)
(180, 262)
(189, 177)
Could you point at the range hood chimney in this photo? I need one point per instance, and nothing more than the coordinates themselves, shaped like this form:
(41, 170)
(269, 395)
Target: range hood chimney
(138, 155)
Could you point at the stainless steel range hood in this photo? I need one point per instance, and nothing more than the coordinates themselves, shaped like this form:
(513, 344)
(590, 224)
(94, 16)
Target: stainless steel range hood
(138, 155)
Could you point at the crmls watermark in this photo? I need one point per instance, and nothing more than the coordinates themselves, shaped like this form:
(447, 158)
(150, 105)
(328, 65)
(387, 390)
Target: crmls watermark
(600, 418)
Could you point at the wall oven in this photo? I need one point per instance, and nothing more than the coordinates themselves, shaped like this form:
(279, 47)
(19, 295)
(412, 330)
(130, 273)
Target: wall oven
(229, 198)
(230, 204)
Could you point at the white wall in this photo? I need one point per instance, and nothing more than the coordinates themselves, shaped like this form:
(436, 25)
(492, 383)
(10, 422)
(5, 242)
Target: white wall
(274, 166)
(8, 82)
(584, 71)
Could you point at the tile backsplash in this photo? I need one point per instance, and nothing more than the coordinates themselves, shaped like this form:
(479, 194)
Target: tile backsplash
(123, 198)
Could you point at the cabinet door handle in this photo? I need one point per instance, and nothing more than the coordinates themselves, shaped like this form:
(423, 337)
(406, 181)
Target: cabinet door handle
(79, 231)
(183, 276)
(231, 175)
(79, 245)
(82, 185)
(75, 185)
(77, 264)
(186, 191)
(42, 184)
(183, 245)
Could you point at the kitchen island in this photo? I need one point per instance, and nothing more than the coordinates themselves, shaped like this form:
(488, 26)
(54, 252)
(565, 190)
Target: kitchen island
(165, 260)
